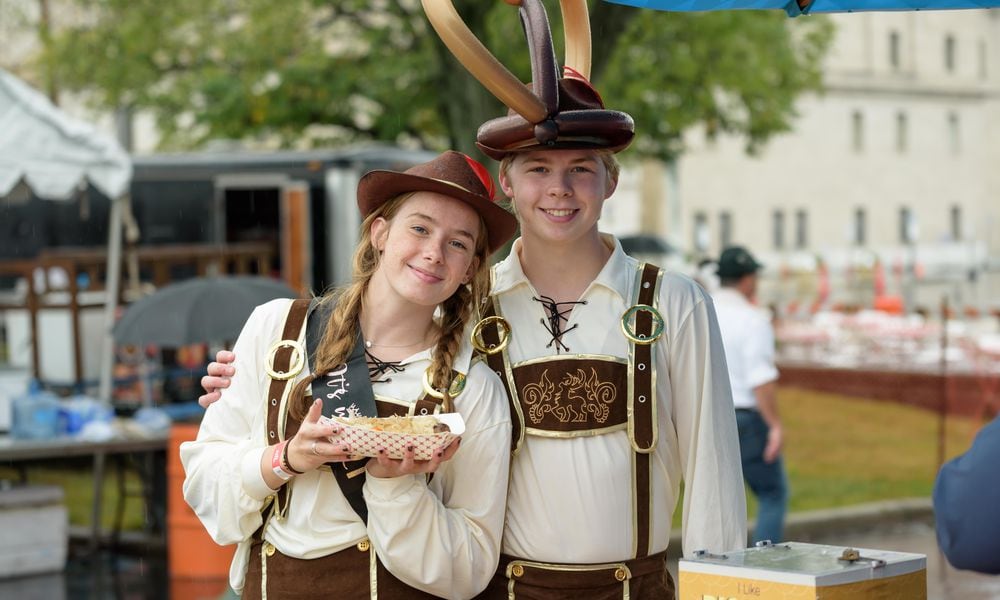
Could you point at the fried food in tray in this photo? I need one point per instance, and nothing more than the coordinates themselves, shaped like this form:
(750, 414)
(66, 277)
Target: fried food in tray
(426, 433)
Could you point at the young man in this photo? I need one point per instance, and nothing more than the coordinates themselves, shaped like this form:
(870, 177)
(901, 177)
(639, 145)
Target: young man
(749, 341)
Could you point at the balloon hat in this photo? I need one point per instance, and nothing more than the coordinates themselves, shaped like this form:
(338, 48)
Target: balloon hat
(558, 110)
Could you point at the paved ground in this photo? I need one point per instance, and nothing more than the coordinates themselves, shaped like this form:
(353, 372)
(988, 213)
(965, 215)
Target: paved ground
(904, 526)
(943, 581)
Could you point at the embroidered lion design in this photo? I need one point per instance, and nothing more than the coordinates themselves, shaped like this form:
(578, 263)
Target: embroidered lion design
(578, 398)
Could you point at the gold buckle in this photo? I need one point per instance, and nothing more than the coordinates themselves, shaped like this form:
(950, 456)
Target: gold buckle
(658, 325)
(477, 338)
(298, 355)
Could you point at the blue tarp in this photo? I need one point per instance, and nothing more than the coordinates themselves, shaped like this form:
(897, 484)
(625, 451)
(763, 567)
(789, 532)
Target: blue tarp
(817, 6)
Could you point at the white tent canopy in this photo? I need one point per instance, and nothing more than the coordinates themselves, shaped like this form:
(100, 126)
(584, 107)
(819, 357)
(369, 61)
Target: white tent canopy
(53, 153)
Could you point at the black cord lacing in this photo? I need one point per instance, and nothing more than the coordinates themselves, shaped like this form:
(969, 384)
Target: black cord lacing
(378, 367)
(556, 317)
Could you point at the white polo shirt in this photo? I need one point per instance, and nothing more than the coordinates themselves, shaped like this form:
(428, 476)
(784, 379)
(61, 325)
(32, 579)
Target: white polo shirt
(748, 338)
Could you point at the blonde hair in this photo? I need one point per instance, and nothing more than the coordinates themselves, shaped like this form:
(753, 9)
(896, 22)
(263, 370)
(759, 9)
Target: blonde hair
(342, 327)
(607, 157)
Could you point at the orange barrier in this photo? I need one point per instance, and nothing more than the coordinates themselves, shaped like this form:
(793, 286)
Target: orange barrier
(198, 567)
(892, 305)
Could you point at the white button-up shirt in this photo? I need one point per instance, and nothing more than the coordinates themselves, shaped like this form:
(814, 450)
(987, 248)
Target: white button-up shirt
(570, 499)
(749, 340)
(442, 537)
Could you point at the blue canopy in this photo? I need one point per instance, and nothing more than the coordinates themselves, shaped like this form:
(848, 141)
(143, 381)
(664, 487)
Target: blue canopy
(794, 8)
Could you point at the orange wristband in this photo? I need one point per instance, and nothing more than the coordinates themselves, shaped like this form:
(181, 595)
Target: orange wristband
(276, 462)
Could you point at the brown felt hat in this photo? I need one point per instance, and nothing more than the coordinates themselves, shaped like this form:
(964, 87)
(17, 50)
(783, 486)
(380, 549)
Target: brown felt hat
(451, 174)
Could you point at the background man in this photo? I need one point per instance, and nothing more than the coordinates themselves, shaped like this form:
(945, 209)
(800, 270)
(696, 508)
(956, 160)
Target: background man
(749, 342)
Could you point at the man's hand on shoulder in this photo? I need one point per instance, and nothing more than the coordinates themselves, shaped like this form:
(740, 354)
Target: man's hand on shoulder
(219, 374)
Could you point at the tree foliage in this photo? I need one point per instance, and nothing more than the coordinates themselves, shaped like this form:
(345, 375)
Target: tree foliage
(322, 72)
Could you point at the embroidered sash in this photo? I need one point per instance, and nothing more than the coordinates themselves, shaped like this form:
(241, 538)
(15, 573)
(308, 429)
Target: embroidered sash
(344, 391)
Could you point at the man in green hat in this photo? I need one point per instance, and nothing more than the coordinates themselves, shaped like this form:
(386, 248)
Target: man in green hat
(749, 341)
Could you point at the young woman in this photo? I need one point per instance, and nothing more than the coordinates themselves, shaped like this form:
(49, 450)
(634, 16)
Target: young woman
(291, 496)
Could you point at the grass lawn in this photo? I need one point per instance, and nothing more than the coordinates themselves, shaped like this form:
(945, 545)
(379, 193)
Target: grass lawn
(838, 451)
(841, 450)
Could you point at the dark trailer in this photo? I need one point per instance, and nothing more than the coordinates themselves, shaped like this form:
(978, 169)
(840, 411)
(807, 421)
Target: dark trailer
(302, 204)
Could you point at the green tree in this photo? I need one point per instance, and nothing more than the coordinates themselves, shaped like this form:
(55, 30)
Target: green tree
(319, 72)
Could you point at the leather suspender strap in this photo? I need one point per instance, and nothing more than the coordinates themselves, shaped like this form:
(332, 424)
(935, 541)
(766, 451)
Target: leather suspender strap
(642, 404)
(277, 392)
(642, 393)
(500, 364)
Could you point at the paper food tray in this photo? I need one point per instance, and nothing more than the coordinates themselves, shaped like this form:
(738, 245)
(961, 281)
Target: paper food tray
(366, 442)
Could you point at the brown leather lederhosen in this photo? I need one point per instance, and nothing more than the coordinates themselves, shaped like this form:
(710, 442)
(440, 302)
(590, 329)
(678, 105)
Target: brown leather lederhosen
(573, 396)
(355, 572)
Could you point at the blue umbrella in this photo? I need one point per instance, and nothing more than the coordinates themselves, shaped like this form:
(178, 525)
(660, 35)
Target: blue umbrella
(795, 8)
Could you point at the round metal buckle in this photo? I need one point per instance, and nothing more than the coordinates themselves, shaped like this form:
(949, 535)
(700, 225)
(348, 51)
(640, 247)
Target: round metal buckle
(298, 360)
(638, 338)
(477, 338)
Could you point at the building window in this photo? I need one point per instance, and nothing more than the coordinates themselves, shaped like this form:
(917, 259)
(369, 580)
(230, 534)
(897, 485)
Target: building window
(894, 50)
(801, 229)
(954, 133)
(901, 132)
(778, 227)
(857, 131)
(956, 223)
(907, 226)
(725, 229)
(949, 53)
(982, 59)
(860, 227)
(700, 234)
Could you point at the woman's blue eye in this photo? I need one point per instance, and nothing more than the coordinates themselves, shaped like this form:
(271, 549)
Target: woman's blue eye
(459, 245)
(419, 229)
